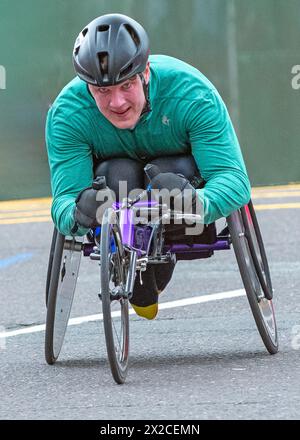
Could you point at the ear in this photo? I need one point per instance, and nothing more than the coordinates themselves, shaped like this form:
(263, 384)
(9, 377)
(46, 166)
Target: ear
(146, 73)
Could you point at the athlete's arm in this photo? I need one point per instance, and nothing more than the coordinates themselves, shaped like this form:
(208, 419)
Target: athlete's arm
(70, 161)
(218, 156)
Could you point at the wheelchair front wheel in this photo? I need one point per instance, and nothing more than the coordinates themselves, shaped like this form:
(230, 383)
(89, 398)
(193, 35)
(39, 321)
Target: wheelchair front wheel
(63, 278)
(114, 269)
(262, 308)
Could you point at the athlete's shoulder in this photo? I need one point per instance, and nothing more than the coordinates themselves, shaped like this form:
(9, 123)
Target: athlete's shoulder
(178, 77)
(72, 98)
(167, 62)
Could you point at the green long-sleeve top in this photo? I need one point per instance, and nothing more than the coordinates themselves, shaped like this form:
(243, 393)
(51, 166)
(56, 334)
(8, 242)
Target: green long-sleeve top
(188, 116)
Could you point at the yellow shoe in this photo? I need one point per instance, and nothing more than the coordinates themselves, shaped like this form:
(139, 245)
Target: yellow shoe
(148, 312)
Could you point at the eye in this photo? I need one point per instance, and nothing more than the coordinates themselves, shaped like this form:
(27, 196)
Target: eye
(127, 85)
(103, 90)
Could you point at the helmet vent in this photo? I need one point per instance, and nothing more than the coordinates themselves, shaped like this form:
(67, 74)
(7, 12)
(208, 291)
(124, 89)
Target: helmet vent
(79, 41)
(133, 34)
(103, 62)
(103, 28)
(126, 71)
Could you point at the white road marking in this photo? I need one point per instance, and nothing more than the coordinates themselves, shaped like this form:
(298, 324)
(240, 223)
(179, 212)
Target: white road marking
(164, 305)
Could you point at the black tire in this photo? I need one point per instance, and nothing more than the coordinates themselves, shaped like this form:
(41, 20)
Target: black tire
(261, 307)
(50, 262)
(257, 248)
(113, 281)
(62, 283)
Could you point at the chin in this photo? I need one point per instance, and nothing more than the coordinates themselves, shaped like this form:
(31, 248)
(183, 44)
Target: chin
(121, 125)
(124, 124)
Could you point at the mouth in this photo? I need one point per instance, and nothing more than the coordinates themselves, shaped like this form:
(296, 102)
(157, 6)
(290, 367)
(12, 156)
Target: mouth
(122, 113)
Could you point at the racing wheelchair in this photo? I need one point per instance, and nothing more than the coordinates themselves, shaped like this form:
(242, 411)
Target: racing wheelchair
(125, 249)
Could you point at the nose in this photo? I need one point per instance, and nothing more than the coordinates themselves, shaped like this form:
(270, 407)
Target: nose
(117, 100)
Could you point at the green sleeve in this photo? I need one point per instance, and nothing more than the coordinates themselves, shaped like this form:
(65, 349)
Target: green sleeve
(71, 169)
(218, 156)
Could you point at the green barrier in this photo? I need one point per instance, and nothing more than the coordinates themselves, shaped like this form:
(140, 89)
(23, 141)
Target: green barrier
(249, 50)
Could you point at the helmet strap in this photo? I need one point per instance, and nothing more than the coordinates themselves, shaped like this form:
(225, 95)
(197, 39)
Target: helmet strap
(147, 107)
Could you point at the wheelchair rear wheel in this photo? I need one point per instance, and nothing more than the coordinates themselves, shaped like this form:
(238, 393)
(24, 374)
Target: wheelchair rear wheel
(251, 258)
(114, 269)
(62, 282)
(50, 262)
(257, 249)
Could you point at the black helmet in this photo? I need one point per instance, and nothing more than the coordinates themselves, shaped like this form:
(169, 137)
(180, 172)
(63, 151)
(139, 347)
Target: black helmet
(110, 49)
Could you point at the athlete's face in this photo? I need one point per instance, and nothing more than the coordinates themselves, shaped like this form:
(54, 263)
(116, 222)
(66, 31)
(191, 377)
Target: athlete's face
(122, 104)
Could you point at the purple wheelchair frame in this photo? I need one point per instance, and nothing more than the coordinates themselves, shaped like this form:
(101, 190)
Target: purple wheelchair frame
(128, 237)
(182, 251)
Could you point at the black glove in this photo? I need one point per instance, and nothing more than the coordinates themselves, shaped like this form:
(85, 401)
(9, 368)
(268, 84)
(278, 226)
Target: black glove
(88, 202)
(183, 200)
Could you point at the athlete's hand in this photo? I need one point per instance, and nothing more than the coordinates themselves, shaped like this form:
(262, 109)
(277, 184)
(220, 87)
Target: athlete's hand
(183, 194)
(88, 202)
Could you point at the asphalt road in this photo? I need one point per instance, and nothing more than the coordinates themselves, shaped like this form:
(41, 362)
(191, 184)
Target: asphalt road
(204, 361)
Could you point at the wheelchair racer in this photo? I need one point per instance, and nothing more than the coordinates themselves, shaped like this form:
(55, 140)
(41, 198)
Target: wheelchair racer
(126, 108)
